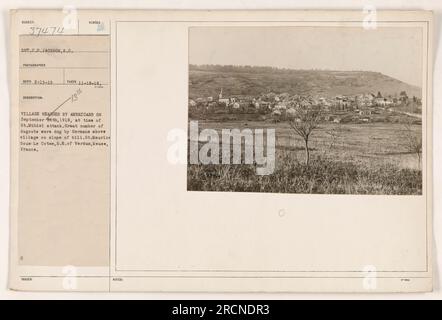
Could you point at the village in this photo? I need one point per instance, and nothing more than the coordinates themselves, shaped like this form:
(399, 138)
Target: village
(361, 108)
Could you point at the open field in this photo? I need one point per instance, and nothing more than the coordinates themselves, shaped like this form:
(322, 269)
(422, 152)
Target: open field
(370, 158)
(371, 144)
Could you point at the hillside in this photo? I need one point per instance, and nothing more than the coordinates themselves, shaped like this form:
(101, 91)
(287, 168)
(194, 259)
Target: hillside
(207, 81)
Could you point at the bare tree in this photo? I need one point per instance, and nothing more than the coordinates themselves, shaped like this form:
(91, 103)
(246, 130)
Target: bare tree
(304, 120)
(414, 142)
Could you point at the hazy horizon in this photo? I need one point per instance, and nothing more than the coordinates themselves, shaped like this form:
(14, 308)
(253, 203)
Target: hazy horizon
(395, 51)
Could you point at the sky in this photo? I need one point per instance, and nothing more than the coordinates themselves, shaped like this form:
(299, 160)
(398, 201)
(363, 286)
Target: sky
(393, 51)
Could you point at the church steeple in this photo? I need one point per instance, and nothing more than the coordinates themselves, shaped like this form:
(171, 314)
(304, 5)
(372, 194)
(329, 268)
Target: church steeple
(220, 96)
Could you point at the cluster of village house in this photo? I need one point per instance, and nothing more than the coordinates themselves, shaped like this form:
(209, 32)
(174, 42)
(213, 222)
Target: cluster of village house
(362, 106)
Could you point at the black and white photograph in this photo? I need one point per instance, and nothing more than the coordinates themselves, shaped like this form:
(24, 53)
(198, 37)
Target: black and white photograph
(320, 110)
(225, 151)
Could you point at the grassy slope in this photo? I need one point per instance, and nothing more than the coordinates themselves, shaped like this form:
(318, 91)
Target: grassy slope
(252, 81)
(320, 177)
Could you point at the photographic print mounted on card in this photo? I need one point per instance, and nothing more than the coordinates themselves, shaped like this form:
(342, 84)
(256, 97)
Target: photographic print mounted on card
(222, 151)
(330, 110)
